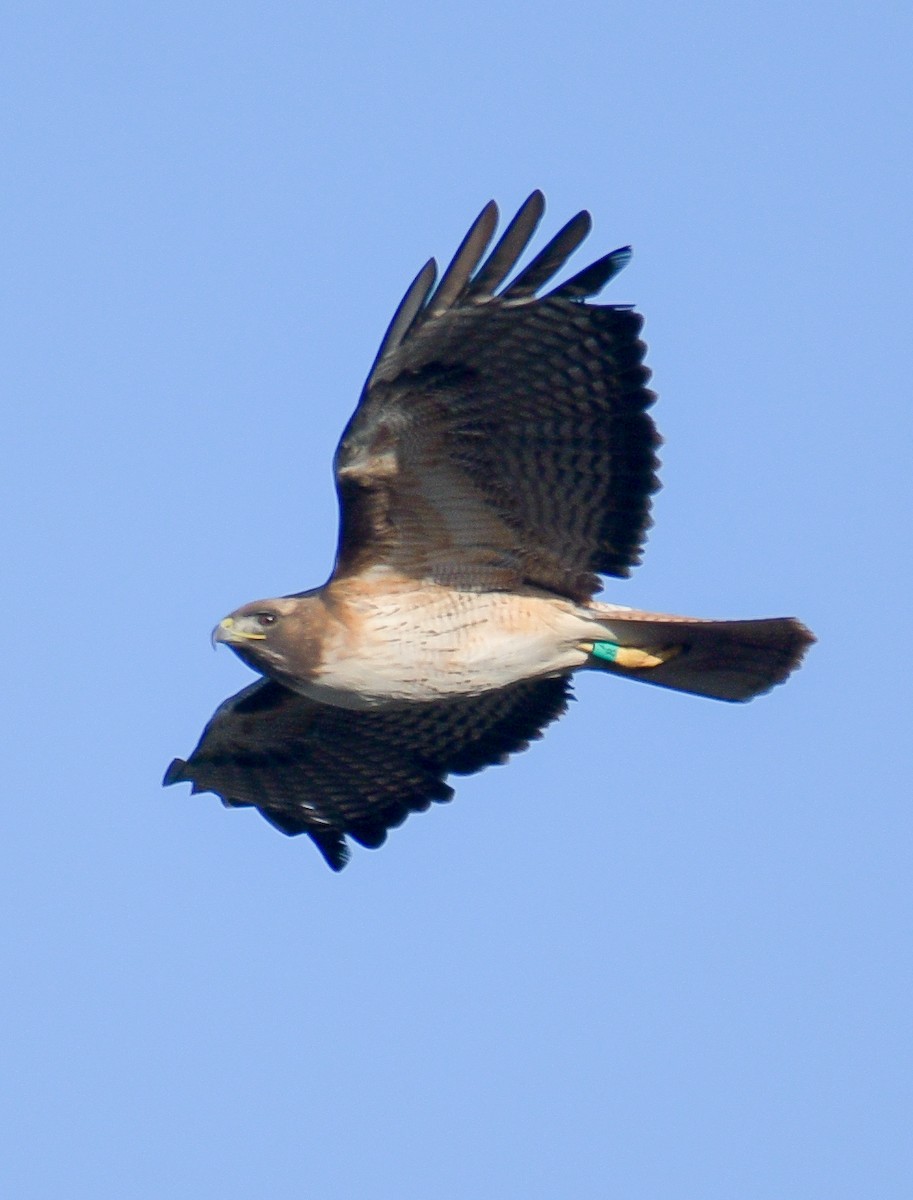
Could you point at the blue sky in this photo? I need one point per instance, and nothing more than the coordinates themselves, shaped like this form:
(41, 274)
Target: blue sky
(666, 953)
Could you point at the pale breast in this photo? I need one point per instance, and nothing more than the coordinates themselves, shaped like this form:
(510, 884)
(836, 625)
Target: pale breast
(399, 640)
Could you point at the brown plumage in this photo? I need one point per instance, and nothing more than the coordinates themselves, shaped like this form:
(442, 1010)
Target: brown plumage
(501, 458)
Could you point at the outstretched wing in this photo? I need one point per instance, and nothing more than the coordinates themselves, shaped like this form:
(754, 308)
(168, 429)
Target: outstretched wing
(502, 437)
(312, 768)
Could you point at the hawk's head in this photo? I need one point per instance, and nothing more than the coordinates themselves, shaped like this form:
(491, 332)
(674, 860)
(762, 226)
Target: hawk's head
(275, 637)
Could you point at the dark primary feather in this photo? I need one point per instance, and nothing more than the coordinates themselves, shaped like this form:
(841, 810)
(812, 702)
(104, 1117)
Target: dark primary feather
(330, 772)
(593, 278)
(465, 261)
(506, 254)
(548, 262)
(539, 405)
(415, 297)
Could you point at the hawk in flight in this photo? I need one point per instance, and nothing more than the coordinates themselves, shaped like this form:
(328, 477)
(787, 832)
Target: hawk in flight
(501, 458)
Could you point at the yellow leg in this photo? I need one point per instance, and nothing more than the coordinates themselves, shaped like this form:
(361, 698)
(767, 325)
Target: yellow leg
(634, 658)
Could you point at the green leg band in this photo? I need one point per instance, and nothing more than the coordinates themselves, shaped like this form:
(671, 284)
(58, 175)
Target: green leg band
(605, 650)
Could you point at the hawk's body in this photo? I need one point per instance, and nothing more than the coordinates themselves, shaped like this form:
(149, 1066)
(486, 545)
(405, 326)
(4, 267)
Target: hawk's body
(390, 640)
(501, 458)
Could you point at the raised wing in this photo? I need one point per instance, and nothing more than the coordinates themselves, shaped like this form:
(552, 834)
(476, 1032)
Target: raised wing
(503, 438)
(328, 772)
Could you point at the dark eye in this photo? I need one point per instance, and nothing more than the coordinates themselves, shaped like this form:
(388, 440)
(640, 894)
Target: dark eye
(266, 618)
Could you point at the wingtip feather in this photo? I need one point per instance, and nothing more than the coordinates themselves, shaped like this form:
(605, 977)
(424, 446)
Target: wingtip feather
(175, 772)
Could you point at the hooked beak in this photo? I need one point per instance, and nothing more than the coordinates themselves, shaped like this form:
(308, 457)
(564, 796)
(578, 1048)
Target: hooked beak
(232, 631)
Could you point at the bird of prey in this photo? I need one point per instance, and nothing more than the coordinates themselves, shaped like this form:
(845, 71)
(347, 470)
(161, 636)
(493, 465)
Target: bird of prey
(501, 458)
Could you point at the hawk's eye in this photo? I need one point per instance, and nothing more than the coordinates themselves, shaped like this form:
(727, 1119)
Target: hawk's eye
(266, 618)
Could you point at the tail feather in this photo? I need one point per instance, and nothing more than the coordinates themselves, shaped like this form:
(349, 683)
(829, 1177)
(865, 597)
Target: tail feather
(725, 660)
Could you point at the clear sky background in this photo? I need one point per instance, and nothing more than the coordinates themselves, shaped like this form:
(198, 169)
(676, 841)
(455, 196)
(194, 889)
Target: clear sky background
(665, 953)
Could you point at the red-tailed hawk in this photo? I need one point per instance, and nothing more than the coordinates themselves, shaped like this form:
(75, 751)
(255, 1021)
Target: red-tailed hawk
(501, 458)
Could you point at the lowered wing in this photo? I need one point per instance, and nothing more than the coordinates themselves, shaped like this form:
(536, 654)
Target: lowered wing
(331, 772)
